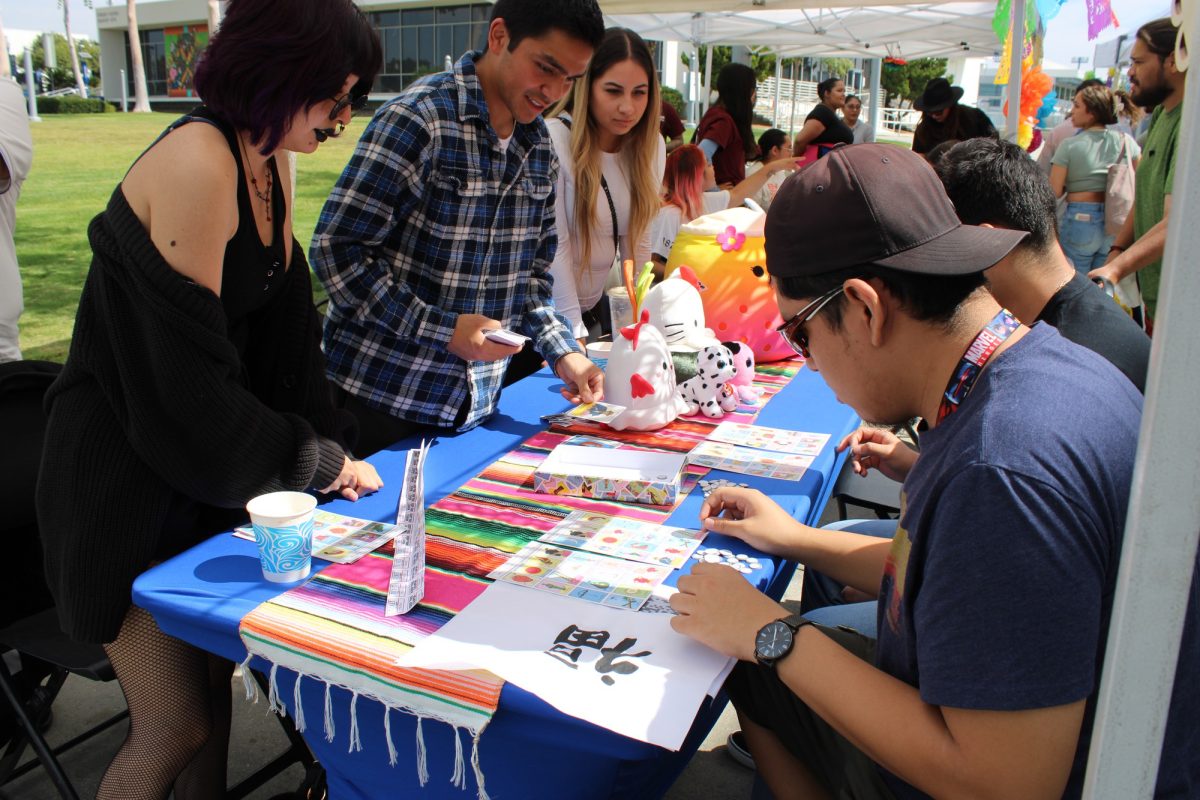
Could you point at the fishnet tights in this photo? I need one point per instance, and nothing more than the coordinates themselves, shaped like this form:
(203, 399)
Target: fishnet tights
(179, 710)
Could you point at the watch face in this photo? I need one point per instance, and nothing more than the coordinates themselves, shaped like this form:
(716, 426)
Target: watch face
(774, 641)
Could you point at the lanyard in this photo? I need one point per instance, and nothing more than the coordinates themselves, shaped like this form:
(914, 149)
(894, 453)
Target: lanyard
(962, 381)
(612, 208)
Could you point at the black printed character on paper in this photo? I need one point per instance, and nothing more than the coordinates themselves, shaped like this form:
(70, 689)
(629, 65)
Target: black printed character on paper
(568, 647)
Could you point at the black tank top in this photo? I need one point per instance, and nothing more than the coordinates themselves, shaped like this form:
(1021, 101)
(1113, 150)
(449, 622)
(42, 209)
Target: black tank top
(251, 273)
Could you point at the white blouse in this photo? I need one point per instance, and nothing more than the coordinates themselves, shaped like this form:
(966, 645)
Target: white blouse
(575, 291)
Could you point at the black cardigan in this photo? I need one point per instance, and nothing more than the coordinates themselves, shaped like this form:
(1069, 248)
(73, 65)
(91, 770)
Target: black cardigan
(154, 405)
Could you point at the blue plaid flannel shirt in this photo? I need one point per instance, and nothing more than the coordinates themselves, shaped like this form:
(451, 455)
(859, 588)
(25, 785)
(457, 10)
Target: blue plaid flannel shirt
(429, 220)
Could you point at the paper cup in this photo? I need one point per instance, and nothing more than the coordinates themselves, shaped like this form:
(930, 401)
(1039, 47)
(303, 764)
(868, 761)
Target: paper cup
(283, 528)
(598, 352)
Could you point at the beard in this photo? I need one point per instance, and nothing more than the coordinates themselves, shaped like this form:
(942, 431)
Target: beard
(1151, 96)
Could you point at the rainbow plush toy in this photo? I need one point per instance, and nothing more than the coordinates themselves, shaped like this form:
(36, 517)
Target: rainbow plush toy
(726, 254)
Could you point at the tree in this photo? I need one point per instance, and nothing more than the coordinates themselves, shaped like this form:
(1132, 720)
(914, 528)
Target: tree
(141, 98)
(837, 67)
(86, 48)
(65, 5)
(907, 81)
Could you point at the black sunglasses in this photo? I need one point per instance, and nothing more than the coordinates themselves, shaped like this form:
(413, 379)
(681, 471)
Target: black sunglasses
(347, 100)
(791, 328)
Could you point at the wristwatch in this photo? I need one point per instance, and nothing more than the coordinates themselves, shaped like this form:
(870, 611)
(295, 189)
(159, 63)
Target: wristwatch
(776, 639)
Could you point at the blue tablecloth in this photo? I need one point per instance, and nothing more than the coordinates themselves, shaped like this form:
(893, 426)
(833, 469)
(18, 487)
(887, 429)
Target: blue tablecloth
(529, 749)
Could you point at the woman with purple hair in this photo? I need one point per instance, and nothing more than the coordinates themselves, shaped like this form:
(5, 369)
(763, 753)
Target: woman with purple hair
(194, 380)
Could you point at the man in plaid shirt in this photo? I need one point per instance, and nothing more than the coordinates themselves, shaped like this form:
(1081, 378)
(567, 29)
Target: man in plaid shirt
(441, 227)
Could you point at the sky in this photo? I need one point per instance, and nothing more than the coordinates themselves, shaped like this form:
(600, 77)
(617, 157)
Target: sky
(1066, 35)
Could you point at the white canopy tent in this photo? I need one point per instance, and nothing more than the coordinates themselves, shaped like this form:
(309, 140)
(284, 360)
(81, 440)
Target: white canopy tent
(874, 31)
(795, 28)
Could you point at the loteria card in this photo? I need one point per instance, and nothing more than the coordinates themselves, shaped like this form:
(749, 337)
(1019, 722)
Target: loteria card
(630, 539)
(610, 582)
(775, 439)
(596, 412)
(342, 540)
(748, 461)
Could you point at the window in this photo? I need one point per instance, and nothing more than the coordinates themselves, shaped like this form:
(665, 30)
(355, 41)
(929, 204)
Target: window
(416, 41)
(154, 61)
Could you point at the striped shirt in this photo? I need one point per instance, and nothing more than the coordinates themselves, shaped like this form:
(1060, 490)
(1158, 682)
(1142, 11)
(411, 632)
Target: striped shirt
(433, 218)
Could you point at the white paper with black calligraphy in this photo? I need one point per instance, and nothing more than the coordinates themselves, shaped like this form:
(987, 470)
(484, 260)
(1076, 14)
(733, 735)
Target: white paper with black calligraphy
(630, 673)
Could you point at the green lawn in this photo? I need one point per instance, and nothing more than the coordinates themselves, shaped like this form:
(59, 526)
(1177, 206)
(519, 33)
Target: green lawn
(78, 159)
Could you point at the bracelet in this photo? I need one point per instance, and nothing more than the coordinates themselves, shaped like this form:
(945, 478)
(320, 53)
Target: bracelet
(1116, 247)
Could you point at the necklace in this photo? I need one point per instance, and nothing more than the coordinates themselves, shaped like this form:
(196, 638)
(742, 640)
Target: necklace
(262, 194)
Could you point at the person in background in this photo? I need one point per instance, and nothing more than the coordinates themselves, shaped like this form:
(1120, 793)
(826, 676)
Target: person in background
(943, 117)
(995, 595)
(725, 133)
(195, 379)
(441, 228)
(691, 191)
(1061, 132)
(16, 157)
(1079, 171)
(1155, 80)
(1129, 114)
(671, 126)
(852, 116)
(773, 145)
(611, 157)
(823, 127)
(992, 182)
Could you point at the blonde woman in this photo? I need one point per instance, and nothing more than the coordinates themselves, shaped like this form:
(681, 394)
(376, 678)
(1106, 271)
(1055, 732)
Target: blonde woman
(611, 159)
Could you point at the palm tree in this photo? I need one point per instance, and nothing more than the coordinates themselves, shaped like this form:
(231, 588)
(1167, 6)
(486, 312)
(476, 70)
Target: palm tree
(141, 100)
(214, 16)
(65, 5)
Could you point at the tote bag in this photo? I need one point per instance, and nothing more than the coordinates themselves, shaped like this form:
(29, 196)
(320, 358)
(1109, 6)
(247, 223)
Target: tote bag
(1118, 191)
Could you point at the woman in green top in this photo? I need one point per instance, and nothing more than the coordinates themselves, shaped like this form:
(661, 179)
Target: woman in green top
(1080, 169)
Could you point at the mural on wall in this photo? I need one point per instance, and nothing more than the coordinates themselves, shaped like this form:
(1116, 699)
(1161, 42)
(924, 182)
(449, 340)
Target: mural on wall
(183, 45)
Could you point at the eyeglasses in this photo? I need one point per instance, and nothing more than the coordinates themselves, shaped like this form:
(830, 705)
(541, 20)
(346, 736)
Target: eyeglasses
(791, 328)
(347, 101)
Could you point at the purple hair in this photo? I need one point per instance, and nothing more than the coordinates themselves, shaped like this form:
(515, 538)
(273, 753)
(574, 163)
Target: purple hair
(272, 59)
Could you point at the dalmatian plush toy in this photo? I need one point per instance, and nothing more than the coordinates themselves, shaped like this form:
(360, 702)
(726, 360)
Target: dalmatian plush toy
(710, 391)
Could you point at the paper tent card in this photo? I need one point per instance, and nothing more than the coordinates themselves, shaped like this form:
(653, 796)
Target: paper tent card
(630, 673)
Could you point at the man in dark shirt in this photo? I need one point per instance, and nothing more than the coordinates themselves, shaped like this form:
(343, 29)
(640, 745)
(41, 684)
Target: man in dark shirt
(944, 118)
(994, 182)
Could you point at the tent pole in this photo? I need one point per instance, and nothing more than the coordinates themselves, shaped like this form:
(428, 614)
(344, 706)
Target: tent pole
(1163, 524)
(778, 80)
(1013, 120)
(708, 55)
(876, 88)
(694, 79)
(792, 119)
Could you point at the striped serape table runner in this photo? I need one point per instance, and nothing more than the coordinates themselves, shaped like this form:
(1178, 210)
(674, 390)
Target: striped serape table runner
(332, 628)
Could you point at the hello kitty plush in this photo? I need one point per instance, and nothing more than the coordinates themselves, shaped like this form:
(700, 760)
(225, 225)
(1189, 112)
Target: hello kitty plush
(677, 310)
(743, 379)
(641, 377)
(709, 391)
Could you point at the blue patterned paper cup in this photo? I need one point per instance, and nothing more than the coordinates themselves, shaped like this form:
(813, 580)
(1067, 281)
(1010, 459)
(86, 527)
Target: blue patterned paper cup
(283, 528)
